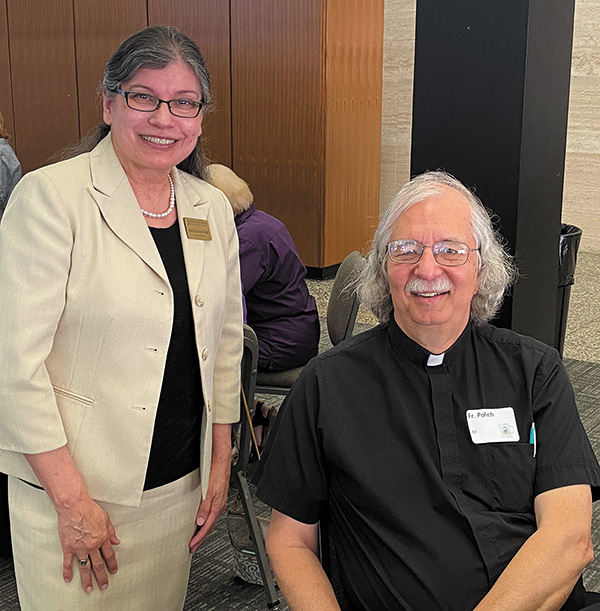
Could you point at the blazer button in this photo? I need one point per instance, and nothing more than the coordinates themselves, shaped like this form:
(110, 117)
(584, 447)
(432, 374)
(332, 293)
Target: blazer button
(204, 354)
(199, 301)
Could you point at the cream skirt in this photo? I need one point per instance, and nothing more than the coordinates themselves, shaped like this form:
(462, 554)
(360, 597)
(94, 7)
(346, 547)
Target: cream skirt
(153, 556)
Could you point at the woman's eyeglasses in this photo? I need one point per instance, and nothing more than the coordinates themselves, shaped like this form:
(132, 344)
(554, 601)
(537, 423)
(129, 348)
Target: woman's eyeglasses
(144, 102)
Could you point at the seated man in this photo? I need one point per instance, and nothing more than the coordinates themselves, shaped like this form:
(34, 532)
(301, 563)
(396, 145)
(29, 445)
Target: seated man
(446, 455)
(278, 305)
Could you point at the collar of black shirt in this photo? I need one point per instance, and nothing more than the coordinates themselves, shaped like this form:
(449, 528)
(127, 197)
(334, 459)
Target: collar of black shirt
(406, 347)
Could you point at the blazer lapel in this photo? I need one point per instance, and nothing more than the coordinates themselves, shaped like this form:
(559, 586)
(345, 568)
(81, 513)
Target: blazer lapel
(192, 206)
(115, 198)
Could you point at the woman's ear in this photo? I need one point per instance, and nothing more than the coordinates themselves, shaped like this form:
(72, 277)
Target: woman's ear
(107, 109)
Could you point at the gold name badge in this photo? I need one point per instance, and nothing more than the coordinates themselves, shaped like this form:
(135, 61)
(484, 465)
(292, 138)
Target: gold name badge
(197, 229)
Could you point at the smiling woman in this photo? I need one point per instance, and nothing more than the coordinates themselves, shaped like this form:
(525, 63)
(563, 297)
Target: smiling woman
(118, 387)
(148, 137)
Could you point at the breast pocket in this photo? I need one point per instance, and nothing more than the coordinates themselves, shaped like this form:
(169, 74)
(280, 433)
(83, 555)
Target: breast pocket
(511, 474)
(72, 407)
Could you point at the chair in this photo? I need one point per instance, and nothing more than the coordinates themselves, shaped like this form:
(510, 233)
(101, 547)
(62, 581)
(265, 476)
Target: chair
(341, 317)
(238, 470)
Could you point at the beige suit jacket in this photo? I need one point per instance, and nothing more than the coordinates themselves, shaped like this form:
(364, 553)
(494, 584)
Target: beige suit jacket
(86, 313)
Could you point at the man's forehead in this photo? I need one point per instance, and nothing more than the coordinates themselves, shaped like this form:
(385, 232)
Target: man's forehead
(443, 197)
(446, 206)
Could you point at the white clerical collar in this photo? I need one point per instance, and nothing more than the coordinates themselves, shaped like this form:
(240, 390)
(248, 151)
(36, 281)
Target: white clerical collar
(435, 359)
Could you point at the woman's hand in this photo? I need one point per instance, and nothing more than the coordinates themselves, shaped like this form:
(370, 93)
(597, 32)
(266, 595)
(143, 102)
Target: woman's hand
(84, 528)
(215, 500)
(87, 534)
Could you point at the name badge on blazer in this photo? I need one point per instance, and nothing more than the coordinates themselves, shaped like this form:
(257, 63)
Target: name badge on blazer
(197, 229)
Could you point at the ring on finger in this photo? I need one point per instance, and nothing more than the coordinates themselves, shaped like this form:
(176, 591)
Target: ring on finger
(83, 562)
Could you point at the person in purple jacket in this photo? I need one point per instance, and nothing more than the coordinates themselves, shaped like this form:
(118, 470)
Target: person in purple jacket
(278, 305)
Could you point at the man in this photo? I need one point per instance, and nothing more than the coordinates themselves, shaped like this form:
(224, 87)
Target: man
(446, 456)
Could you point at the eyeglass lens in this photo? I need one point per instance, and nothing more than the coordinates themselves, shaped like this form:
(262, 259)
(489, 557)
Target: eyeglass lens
(445, 253)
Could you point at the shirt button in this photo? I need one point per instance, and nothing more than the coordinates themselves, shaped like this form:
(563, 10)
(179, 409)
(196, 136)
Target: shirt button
(208, 406)
(204, 354)
(199, 301)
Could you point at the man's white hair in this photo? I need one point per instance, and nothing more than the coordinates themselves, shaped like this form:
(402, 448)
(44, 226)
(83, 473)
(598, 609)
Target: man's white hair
(497, 272)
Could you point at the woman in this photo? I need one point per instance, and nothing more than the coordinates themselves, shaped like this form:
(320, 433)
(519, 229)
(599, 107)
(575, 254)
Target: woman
(279, 307)
(10, 168)
(122, 339)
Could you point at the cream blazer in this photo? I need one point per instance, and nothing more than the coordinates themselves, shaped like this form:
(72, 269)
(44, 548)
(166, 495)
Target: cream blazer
(86, 312)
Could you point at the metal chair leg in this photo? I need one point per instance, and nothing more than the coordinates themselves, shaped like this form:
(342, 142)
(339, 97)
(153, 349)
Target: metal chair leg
(257, 539)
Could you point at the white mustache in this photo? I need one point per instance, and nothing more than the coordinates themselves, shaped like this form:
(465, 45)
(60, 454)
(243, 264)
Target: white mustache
(417, 285)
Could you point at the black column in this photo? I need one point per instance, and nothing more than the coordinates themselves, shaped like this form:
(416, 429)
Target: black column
(491, 92)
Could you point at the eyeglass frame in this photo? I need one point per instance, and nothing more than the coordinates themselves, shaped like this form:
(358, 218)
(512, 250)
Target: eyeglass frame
(433, 247)
(126, 94)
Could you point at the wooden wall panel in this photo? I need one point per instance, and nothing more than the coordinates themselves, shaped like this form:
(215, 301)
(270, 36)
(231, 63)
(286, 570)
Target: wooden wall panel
(297, 93)
(100, 27)
(42, 54)
(5, 78)
(353, 77)
(207, 23)
(277, 118)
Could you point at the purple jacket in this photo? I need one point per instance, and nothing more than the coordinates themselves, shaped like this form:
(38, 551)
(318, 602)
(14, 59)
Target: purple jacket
(279, 307)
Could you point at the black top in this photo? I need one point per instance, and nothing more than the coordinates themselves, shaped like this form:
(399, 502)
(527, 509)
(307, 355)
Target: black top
(421, 516)
(175, 450)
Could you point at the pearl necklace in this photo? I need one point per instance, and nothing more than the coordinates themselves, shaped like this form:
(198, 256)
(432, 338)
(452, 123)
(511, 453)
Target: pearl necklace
(161, 215)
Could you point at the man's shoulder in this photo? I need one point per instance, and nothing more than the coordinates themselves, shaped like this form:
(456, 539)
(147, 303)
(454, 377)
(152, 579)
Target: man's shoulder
(511, 341)
(356, 348)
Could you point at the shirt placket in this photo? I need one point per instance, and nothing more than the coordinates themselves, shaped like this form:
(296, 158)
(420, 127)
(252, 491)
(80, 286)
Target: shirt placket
(450, 465)
(447, 442)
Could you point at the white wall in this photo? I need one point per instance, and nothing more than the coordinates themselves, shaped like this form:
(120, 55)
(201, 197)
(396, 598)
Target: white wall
(398, 63)
(581, 201)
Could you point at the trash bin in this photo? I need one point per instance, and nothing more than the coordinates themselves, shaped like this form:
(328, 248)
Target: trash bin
(568, 245)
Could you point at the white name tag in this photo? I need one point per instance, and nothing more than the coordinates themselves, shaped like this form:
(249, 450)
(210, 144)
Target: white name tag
(492, 425)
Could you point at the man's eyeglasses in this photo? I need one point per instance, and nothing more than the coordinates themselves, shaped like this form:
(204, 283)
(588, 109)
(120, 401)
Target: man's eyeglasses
(446, 253)
(144, 102)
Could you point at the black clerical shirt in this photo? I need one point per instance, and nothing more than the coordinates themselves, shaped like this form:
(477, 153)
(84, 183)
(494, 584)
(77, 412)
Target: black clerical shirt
(422, 516)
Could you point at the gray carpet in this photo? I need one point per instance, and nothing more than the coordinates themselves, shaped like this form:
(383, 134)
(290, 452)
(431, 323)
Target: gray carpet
(213, 585)
(585, 378)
